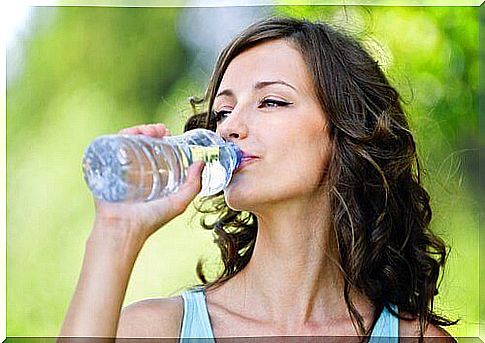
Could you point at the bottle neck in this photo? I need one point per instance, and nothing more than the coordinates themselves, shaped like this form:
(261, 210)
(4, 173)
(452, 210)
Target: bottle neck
(238, 153)
(203, 138)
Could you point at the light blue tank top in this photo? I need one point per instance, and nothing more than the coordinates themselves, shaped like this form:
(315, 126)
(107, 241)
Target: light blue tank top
(196, 321)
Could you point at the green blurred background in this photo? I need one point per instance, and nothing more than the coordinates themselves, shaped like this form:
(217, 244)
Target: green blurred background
(78, 72)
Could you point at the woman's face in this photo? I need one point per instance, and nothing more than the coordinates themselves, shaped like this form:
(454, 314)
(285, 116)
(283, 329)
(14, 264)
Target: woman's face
(267, 106)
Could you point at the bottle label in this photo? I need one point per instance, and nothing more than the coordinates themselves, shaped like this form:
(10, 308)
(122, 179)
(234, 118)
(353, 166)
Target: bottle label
(203, 153)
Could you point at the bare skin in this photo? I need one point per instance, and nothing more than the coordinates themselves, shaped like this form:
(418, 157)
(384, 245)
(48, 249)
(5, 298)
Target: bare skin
(118, 234)
(291, 285)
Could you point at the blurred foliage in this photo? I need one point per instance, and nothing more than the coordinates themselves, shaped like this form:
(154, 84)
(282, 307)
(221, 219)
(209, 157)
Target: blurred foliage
(86, 71)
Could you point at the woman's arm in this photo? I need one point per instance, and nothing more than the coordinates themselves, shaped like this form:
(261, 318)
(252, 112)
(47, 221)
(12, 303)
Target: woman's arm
(110, 254)
(118, 235)
(409, 331)
(152, 318)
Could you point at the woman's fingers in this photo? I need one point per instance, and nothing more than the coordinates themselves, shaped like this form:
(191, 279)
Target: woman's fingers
(178, 201)
(152, 130)
(135, 130)
(193, 183)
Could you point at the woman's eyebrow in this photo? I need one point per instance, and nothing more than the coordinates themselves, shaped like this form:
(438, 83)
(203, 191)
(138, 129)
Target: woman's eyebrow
(226, 92)
(258, 85)
(262, 84)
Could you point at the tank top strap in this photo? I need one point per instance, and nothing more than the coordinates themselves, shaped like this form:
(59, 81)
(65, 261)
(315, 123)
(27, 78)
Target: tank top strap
(386, 329)
(196, 326)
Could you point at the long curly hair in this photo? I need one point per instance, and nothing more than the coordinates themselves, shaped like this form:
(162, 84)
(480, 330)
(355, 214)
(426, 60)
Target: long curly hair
(379, 210)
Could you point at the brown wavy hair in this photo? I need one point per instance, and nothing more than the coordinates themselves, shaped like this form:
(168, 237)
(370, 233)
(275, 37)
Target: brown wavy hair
(380, 211)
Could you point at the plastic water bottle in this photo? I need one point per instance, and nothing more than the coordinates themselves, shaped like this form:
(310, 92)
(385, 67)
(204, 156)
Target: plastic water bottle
(131, 168)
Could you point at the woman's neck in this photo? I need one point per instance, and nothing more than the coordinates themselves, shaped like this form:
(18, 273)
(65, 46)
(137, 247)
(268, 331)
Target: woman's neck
(292, 279)
(290, 265)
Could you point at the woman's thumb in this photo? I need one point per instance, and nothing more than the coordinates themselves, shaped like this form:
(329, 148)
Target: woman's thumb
(194, 177)
(191, 187)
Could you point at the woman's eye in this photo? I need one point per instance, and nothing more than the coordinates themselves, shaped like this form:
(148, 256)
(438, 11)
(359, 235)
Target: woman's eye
(269, 103)
(220, 115)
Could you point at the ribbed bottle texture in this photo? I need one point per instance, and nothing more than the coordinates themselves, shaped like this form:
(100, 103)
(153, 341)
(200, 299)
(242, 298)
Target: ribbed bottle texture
(133, 168)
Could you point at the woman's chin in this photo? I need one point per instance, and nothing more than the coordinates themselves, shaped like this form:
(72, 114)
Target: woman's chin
(239, 199)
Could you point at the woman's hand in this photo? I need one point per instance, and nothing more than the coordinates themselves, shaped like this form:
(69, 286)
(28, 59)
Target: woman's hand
(119, 233)
(144, 218)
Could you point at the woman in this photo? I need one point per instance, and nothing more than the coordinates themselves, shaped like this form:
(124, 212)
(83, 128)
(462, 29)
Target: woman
(323, 229)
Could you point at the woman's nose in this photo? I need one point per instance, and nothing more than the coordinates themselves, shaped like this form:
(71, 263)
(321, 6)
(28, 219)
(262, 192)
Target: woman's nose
(233, 127)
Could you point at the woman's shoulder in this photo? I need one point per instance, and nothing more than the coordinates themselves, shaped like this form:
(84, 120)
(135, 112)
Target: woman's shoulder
(433, 333)
(157, 317)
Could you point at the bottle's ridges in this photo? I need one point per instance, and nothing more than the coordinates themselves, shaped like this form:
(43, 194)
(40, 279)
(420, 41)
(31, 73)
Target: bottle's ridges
(135, 185)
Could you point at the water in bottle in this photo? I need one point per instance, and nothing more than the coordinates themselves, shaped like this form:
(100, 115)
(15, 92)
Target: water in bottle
(131, 168)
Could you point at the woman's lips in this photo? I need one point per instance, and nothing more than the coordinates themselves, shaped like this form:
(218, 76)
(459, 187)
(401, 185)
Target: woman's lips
(246, 159)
